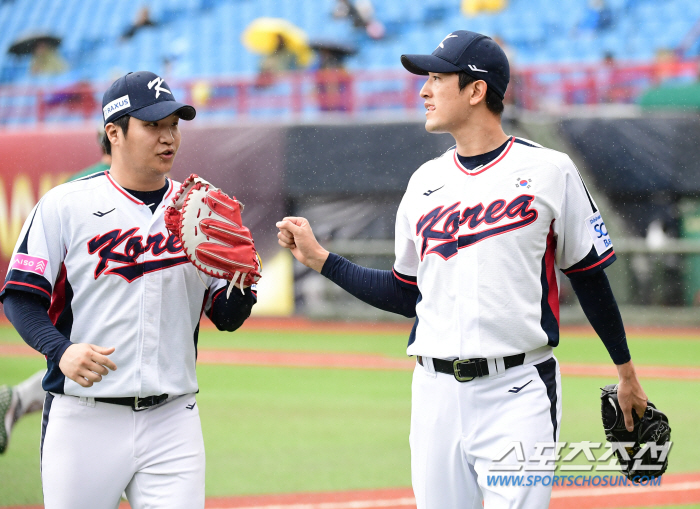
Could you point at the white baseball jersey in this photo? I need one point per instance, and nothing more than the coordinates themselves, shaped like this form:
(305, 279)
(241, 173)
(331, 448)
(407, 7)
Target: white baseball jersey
(114, 277)
(482, 247)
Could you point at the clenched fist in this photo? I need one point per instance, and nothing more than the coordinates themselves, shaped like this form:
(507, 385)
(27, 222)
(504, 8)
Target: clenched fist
(296, 235)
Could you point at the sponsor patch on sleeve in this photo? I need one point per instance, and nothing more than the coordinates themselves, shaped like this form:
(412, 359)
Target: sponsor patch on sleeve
(599, 233)
(28, 264)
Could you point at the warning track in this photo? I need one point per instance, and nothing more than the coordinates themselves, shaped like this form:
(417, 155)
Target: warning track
(375, 362)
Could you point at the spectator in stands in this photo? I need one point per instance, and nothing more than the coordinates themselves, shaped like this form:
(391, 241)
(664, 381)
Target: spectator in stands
(598, 17)
(476, 7)
(361, 13)
(606, 79)
(333, 82)
(47, 60)
(665, 66)
(282, 59)
(143, 20)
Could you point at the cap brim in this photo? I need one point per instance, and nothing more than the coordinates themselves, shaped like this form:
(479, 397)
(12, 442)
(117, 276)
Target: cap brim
(423, 64)
(160, 110)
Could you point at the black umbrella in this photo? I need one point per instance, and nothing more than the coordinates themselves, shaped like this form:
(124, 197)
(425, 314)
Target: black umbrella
(26, 45)
(333, 46)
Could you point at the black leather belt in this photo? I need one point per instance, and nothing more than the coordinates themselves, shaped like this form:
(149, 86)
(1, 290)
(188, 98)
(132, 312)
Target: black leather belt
(135, 402)
(466, 370)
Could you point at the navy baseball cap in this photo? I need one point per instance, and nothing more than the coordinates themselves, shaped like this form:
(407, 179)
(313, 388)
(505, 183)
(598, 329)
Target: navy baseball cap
(476, 54)
(142, 95)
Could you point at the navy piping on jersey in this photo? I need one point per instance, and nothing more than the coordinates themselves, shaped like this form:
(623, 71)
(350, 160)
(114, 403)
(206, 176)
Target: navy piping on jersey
(23, 247)
(548, 373)
(549, 320)
(411, 281)
(26, 281)
(412, 336)
(591, 263)
(523, 142)
(94, 175)
(44, 423)
(61, 315)
(590, 200)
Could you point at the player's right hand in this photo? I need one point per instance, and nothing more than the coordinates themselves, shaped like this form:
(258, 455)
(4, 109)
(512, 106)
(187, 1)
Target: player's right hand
(295, 234)
(86, 364)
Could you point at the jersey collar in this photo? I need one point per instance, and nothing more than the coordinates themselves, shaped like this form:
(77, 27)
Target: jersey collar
(132, 198)
(490, 165)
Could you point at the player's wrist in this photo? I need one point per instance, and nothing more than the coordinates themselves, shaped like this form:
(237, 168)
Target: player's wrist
(626, 372)
(319, 258)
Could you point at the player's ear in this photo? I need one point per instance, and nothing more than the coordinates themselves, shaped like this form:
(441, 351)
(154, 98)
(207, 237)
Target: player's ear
(478, 92)
(111, 132)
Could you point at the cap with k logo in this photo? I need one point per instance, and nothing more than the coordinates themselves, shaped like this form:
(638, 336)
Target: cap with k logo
(142, 95)
(476, 54)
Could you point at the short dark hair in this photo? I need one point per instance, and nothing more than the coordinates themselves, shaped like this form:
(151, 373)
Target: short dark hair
(493, 102)
(122, 122)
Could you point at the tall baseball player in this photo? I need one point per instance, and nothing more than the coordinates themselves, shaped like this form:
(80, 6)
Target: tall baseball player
(96, 283)
(480, 233)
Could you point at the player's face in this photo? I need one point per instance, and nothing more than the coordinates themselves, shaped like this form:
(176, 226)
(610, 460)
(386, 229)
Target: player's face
(150, 147)
(447, 108)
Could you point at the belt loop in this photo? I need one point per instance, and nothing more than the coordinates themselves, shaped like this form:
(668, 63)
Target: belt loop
(85, 401)
(429, 367)
(497, 367)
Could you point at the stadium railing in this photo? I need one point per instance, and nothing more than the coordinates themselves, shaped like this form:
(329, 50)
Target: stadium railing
(308, 94)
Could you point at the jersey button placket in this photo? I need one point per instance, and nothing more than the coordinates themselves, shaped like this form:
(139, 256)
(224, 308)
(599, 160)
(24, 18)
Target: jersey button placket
(467, 261)
(152, 296)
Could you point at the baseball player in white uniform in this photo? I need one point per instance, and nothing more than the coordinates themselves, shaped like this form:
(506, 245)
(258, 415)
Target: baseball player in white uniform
(480, 233)
(98, 285)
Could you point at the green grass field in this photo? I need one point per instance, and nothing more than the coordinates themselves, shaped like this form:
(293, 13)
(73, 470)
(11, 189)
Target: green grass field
(276, 430)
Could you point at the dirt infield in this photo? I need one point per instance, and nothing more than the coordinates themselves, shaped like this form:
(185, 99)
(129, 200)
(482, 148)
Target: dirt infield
(674, 489)
(379, 362)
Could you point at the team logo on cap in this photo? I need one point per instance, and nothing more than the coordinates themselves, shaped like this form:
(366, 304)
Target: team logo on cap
(475, 68)
(158, 82)
(442, 45)
(118, 104)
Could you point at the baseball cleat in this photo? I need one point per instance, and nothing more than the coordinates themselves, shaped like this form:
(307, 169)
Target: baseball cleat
(8, 405)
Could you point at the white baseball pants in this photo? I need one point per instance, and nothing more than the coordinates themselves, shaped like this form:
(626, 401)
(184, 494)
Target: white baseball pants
(93, 451)
(458, 429)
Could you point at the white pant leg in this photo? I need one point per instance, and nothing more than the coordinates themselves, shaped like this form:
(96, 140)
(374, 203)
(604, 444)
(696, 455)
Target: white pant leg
(87, 454)
(440, 475)
(169, 454)
(530, 415)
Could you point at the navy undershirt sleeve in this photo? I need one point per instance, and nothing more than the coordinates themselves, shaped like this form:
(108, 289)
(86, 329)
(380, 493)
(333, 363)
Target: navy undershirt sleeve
(27, 313)
(598, 303)
(378, 288)
(229, 314)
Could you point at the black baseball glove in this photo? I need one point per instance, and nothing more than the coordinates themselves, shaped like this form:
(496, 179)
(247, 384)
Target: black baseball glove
(651, 430)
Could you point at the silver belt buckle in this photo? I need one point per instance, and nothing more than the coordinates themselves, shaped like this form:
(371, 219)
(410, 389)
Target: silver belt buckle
(458, 376)
(136, 404)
